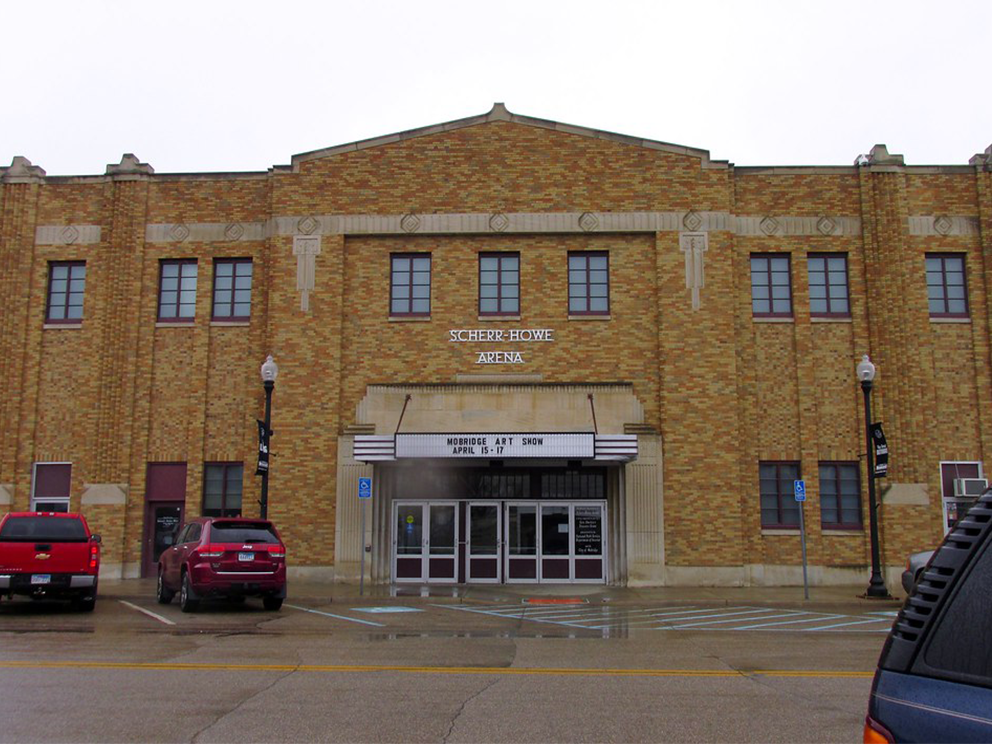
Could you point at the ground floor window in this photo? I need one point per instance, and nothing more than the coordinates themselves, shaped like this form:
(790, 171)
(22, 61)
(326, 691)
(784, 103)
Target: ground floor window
(50, 489)
(779, 508)
(840, 495)
(222, 489)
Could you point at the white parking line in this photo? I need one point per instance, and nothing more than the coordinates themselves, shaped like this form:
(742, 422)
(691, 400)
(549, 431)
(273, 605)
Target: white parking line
(842, 625)
(737, 620)
(661, 618)
(809, 618)
(147, 612)
(339, 617)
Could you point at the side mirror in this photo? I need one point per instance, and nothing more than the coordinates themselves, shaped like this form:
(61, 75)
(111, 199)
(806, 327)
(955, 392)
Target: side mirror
(96, 539)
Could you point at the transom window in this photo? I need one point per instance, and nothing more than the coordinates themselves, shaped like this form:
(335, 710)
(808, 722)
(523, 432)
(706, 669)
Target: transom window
(840, 495)
(177, 291)
(779, 507)
(947, 292)
(232, 289)
(499, 284)
(828, 292)
(588, 284)
(66, 283)
(771, 285)
(411, 285)
(222, 489)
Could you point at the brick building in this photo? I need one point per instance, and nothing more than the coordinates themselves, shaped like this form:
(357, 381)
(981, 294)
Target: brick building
(561, 354)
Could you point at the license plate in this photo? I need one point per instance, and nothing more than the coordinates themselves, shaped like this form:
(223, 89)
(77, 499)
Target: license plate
(41, 579)
(246, 556)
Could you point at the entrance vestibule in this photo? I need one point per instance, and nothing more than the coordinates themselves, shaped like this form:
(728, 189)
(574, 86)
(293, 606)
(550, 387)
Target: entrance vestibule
(499, 541)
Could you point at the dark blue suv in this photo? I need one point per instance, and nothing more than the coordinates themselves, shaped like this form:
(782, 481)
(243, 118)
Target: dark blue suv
(934, 677)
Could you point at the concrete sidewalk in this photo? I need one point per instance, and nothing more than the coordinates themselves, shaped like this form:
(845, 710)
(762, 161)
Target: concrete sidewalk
(299, 589)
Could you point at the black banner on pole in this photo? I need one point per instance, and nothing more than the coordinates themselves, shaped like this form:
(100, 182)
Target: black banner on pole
(881, 451)
(263, 448)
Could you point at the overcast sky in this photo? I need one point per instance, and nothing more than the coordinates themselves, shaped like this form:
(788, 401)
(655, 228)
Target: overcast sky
(241, 86)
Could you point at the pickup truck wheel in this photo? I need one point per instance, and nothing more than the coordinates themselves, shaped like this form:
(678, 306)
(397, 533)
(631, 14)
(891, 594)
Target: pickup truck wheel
(163, 594)
(272, 603)
(186, 601)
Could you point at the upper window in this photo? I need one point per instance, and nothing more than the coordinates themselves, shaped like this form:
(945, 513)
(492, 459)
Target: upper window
(177, 291)
(771, 285)
(828, 294)
(946, 288)
(779, 507)
(410, 292)
(840, 495)
(232, 289)
(66, 282)
(222, 489)
(50, 490)
(499, 284)
(588, 284)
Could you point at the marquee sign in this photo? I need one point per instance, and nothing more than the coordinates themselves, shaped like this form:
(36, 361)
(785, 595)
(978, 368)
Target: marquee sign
(496, 446)
(573, 446)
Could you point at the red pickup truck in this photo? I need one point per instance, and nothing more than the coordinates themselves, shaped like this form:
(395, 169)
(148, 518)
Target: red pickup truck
(48, 555)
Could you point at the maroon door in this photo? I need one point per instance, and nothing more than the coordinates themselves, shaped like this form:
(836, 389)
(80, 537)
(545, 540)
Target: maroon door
(165, 501)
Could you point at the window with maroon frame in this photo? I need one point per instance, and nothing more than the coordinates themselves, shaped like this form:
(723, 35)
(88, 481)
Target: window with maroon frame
(588, 284)
(840, 495)
(779, 507)
(232, 289)
(828, 293)
(222, 489)
(947, 292)
(50, 490)
(410, 285)
(177, 291)
(66, 284)
(499, 284)
(771, 285)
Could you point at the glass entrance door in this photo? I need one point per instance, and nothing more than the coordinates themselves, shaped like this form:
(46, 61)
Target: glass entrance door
(484, 543)
(521, 543)
(421, 554)
(572, 545)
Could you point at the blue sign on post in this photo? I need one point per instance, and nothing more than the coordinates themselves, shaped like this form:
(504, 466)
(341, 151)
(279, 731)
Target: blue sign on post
(799, 486)
(364, 488)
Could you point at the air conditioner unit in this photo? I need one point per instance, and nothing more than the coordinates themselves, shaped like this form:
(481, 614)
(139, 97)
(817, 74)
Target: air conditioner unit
(970, 488)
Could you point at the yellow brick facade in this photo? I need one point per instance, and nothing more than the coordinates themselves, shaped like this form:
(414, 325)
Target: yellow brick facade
(719, 389)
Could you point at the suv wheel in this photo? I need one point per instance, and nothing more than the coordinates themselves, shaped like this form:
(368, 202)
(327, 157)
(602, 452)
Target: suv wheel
(272, 603)
(163, 594)
(186, 601)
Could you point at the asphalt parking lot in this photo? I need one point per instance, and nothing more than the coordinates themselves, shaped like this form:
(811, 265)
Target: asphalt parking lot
(454, 665)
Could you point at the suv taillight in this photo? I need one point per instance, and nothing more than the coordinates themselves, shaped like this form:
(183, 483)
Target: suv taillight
(210, 551)
(277, 551)
(876, 733)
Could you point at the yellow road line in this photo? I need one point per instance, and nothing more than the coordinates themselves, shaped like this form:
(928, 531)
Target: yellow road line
(360, 668)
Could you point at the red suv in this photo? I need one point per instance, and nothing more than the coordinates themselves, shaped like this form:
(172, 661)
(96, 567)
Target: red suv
(232, 557)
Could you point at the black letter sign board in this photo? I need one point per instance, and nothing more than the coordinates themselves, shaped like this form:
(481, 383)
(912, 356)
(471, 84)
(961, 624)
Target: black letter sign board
(881, 451)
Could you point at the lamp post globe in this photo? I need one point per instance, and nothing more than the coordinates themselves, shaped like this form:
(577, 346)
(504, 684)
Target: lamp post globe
(876, 584)
(269, 371)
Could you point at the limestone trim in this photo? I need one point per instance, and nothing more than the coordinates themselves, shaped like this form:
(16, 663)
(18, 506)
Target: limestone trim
(21, 171)
(942, 224)
(104, 494)
(67, 234)
(206, 232)
(499, 112)
(481, 223)
(6, 494)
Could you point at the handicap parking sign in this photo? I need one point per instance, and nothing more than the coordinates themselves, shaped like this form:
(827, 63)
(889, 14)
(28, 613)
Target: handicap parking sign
(364, 488)
(800, 488)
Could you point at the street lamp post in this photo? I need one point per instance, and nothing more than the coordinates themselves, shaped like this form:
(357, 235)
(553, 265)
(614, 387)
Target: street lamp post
(269, 372)
(876, 584)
